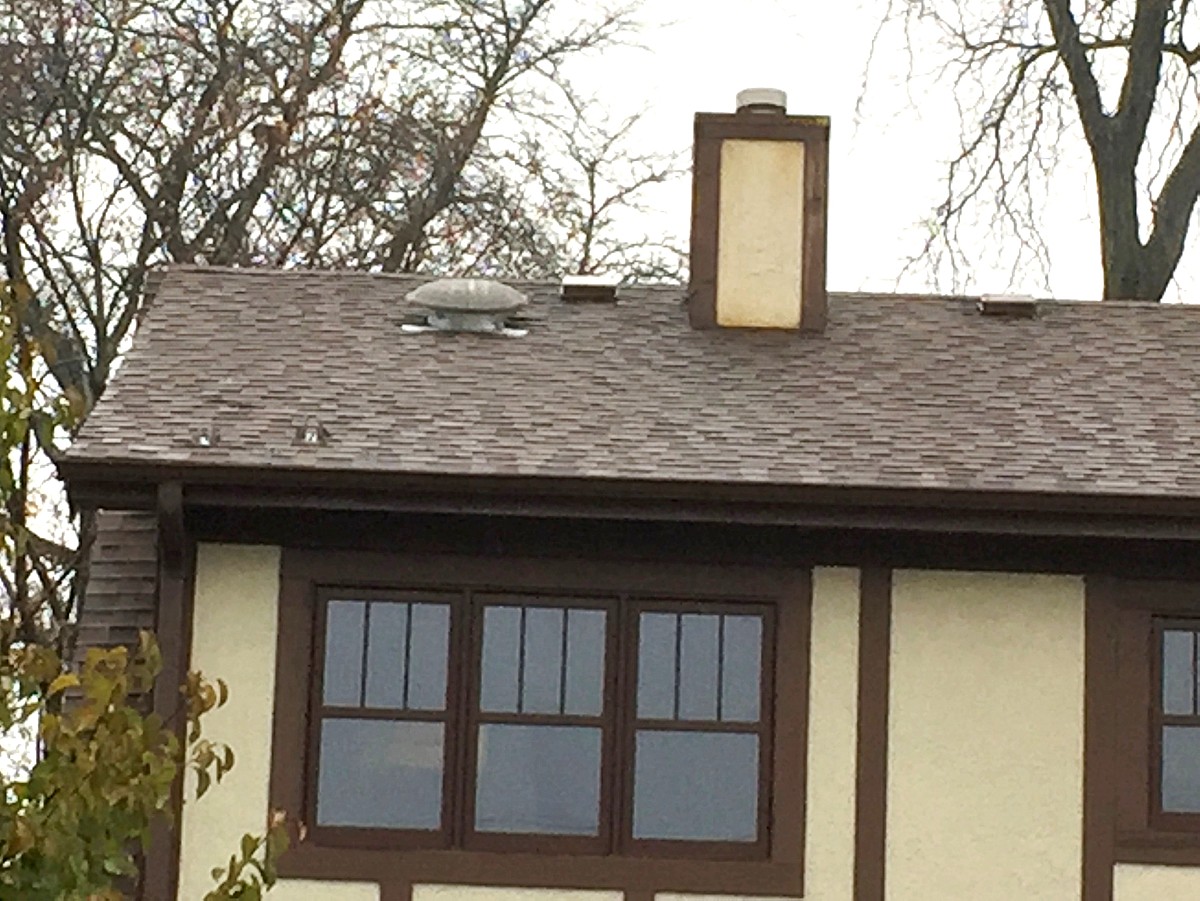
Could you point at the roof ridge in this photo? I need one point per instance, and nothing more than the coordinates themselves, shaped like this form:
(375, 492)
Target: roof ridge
(258, 271)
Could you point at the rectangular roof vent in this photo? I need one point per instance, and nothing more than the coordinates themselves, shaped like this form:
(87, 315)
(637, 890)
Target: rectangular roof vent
(1012, 306)
(590, 288)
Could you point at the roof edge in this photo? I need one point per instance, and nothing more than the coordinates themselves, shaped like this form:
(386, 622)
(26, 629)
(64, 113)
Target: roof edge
(982, 512)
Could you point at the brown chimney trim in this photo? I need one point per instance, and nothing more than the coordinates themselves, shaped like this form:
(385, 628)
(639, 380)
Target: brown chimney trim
(710, 130)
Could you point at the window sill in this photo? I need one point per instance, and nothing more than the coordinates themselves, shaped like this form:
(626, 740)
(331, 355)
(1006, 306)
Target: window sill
(1163, 848)
(397, 870)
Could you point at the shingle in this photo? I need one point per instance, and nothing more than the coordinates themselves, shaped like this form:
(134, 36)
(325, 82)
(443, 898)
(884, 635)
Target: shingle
(123, 582)
(898, 392)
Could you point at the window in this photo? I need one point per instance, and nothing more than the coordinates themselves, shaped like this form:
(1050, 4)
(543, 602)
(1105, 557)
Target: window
(543, 722)
(1142, 719)
(1176, 721)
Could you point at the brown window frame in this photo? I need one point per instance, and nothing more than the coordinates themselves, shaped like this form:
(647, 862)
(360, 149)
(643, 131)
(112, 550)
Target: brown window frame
(352, 836)
(1170, 821)
(772, 865)
(1123, 759)
(475, 717)
(463, 716)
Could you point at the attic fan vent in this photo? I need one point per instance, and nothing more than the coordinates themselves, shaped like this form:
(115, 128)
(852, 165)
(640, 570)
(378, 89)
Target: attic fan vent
(476, 305)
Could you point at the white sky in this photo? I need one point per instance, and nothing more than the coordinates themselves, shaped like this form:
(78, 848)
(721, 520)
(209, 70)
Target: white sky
(885, 171)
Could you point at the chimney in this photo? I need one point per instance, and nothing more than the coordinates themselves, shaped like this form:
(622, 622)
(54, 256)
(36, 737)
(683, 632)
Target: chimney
(759, 179)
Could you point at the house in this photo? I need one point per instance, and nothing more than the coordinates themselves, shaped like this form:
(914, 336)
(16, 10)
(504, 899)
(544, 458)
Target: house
(748, 590)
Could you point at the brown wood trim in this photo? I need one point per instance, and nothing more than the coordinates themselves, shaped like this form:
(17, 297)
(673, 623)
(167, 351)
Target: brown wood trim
(874, 652)
(941, 511)
(398, 890)
(761, 127)
(788, 590)
(295, 657)
(173, 628)
(1099, 739)
(517, 870)
(678, 542)
(814, 310)
(171, 533)
(789, 776)
(706, 205)
(1155, 848)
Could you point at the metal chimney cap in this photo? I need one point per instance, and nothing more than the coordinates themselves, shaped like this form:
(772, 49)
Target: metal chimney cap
(762, 100)
(468, 295)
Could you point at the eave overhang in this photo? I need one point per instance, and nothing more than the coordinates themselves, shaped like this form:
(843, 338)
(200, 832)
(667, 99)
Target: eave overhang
(921, 510)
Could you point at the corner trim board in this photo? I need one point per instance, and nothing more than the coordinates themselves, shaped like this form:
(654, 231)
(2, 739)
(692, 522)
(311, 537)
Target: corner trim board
(173, 629)
(1099, 762)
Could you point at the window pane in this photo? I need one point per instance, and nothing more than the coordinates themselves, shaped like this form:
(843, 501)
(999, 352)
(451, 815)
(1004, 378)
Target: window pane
(701, 786)
(343, 653)
(427, 656)
(538, 779)
(1178, 654)
(656, 666)
(1181, 769)
(380, 773)
(501, 659)
(741, 685)
(698, 667)
(543, 660)
(585, 662)
(385, 655)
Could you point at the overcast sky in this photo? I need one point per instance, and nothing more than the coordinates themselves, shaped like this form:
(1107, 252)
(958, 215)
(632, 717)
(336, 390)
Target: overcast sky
(885, 171)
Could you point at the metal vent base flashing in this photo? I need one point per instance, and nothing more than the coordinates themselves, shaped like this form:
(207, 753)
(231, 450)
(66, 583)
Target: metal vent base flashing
(1009, 306)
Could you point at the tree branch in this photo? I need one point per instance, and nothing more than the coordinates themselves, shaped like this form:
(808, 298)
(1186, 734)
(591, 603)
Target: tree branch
(1095, 122)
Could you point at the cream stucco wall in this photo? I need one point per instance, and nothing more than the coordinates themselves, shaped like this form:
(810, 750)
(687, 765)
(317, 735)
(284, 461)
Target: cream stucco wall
(985, 737)
(833, 736)
(233, 638)
(1144, 883)
(759, 256)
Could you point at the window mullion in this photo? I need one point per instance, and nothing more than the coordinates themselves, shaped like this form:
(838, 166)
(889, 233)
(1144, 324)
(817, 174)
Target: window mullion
(461, 717)
(623, 700)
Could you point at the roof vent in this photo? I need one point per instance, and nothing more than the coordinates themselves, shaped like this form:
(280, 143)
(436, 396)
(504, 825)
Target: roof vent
(762, 100)
(1012, 306)
(475, 305)
(589, 287)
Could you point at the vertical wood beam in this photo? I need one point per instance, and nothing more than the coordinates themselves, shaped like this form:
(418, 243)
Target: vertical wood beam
(173, 625)
(874, 653)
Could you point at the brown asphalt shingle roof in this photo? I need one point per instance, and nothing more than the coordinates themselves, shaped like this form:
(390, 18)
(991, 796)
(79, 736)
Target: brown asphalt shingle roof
(898, 392)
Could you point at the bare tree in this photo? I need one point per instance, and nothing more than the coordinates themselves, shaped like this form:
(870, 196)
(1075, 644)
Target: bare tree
(1034, 78)
(398, 135)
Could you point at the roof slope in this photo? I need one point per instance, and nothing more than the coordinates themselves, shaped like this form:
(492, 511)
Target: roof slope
(896, 393)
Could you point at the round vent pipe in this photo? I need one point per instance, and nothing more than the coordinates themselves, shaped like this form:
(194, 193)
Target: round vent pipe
(762, 100)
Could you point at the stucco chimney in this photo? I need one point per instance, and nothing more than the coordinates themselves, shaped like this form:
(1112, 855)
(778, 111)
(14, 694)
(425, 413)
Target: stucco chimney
(759, 201)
